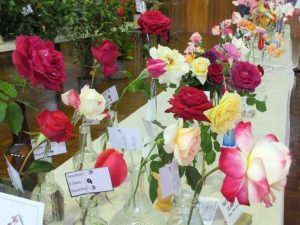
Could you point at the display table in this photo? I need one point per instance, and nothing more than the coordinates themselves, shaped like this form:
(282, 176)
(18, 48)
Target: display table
(277, 83)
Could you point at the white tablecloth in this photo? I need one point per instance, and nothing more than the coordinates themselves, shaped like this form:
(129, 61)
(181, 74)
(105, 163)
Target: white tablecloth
(278, 85)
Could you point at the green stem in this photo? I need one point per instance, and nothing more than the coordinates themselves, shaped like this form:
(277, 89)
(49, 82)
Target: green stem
(23, 89)
(197, 189)
(94, 74)
(86, 210)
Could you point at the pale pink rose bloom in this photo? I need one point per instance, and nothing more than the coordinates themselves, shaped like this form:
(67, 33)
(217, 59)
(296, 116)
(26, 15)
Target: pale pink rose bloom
(183, 142)
(196, 38)
(71, 98)
(226, 23)
(190, 48)
(236, 18)
(216, 30)
(231, 50)
(253, 170)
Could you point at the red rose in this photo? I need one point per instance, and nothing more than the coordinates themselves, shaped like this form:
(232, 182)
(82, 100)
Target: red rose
(109, 70)
(189, 104)
(215, 74)
(116, 164)
(39, 62)
(120, 11)
(244, 76)
(154, 22)
(261, 69)
(106, 53)
(55, 125)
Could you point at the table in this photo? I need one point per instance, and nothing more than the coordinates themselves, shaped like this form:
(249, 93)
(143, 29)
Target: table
(278, 85)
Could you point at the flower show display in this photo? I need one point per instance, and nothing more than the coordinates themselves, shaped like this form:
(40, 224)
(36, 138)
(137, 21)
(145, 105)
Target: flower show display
(214, 139)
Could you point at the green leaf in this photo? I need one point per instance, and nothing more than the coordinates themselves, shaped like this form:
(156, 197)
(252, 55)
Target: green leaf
(155, 166)
(5, 181)
(192, 176)
(157, 123)
(3, 107)
(8, 89)
(39, 166)
(28, 182)
(181, 170)
(206, 144)
(210, 157)
(217, 146)
(14, 117)
(144, 74)
(251, 101)
(153, 184)
(4, 97)
(154, 156)
(261, 106)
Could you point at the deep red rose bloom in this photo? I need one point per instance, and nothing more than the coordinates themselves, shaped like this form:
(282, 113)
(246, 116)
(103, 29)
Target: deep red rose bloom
(39, 62)
(261, 69)
(244, 76)
(106, 53)
(55, 125)
(189, 104)
(154, 22)
(215, 74)
(116, 164)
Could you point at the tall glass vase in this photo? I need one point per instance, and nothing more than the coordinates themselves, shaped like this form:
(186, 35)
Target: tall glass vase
(51, 194)
(182, 204)
(138, 209)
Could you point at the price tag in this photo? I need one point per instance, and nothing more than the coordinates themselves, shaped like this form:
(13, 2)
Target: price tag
(127, 138)
(140, 6)
(230, 212)
(208, 208)
(14, 176)
(20, 211)
(169, 179)
(55, 149)
(111, 95)
(149, 127)
(89, 181)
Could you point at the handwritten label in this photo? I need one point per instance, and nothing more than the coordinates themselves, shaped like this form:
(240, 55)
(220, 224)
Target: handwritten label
(14, 176)
(208, 208)
(55, 149)
(20, 211)
(231, 212)
(169, 179)
(111, 95)
(89, 181)
(127, 138)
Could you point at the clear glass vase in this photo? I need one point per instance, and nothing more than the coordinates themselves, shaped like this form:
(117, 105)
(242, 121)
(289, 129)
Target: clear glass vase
(86, 156)
(89, 212)
(113, 122)
(51, 194)
(138, 210)
(182, 204)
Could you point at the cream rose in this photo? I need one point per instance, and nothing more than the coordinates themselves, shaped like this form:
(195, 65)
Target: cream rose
(199, 68)
(183, 142)
(92, 104)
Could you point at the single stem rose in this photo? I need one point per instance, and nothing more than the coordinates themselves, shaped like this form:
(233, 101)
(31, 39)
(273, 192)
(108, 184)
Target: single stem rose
(40, 140)
(198, 186)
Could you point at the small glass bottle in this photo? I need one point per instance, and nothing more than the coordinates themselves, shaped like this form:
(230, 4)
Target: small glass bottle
(89, 212)
(182, 204)
(138, 210)
(85, 157)
(51, 194)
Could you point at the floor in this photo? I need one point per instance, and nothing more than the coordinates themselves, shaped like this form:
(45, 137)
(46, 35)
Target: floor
(129, 104)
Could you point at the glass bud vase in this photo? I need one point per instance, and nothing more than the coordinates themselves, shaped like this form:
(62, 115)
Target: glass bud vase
(182, 204)
(228, 139)
(51, 194)
(138, 209)
(89, 213)
(86, 156)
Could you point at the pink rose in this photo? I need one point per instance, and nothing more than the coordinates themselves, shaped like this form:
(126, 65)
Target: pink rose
(231, 50)
(227, 31)
(39, 62)
(156, 67)
(236, 18)
(244, 76)
(226, 23)
(216, 30)
(71, 98)
(196, 38)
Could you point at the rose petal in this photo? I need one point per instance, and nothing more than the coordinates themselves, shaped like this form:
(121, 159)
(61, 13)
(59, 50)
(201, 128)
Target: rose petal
(243, 136)
(231, 187)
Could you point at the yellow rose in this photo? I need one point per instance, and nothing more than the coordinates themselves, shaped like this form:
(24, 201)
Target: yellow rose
(199, 68)
(226, 113)
(183, 142)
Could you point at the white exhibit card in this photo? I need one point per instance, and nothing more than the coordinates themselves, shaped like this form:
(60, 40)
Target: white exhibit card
(89, 181)
(14, 176)
(231, 212)
(20, 211)
(169, 179)
(125, 138)
(111, 95)
(55, 149)
(208, 208)
(140, 6)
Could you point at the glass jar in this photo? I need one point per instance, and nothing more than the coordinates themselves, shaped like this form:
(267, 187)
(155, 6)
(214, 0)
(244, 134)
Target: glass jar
(89, 212)
(51, 194)
(86, 156)
(138, 209)
(182, 204)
